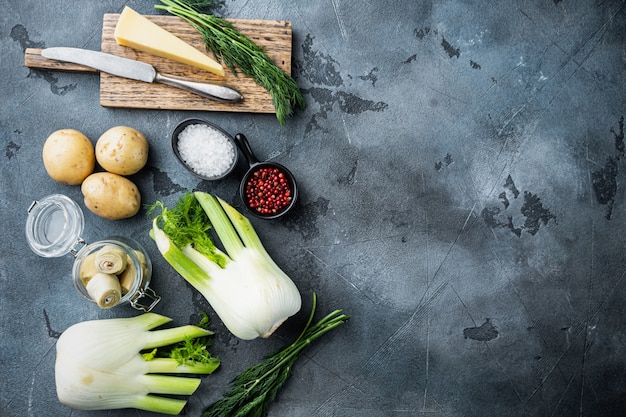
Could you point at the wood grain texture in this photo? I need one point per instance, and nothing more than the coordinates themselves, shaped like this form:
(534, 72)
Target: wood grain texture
(273, 35)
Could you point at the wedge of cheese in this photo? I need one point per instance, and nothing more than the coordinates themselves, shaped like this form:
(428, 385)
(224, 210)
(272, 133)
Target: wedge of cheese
(137, 32)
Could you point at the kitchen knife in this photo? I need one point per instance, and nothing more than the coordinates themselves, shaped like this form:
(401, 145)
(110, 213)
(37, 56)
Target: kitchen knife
(140, 71)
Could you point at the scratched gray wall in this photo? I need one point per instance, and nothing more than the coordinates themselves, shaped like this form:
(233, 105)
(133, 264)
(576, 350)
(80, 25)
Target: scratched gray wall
(462, 198)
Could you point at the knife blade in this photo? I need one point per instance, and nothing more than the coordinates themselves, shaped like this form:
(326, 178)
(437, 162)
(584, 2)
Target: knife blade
(140, 71)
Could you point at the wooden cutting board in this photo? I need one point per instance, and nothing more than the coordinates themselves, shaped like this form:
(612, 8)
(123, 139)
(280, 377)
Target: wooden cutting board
(273, 35)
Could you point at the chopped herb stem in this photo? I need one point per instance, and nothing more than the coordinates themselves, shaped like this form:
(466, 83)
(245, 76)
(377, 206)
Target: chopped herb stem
(236, 50)
(254, 389)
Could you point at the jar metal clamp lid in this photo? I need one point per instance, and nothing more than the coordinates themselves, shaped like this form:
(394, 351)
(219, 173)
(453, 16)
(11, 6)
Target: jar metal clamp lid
(147, 293)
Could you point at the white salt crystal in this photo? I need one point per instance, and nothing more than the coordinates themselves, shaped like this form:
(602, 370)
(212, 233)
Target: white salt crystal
(205, 150)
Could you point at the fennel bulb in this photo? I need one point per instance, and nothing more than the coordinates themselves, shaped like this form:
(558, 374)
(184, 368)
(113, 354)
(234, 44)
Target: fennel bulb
(99, 365)
(244, 286)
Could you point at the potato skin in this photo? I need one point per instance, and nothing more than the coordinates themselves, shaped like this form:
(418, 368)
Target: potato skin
(68, 156)
(122, 150)
(111, 196)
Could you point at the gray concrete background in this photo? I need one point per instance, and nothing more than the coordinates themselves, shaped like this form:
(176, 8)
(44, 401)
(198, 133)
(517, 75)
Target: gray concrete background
(461, 168)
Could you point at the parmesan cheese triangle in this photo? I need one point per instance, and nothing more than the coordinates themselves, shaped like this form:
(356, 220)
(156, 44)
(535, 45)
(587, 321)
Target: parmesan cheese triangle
(137, 32)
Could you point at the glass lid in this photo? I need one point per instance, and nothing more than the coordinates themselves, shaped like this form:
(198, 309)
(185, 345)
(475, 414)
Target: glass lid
(54, 225)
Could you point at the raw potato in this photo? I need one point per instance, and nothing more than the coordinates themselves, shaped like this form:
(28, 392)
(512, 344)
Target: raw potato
(122, 150)
(111, 196)
(68, 156)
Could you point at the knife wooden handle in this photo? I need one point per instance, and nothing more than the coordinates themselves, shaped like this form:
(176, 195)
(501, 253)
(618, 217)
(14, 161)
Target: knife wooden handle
(33, 59)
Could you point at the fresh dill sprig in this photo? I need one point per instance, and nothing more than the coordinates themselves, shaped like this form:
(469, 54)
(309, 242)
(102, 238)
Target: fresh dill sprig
(189, 351)
(236, 50)
(188, 223)
(253, 391)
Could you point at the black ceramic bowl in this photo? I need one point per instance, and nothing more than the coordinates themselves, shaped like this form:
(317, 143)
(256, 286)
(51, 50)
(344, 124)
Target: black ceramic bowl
(198, 169)
(287, 190)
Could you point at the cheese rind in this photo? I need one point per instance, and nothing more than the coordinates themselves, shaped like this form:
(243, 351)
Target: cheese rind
(137, 32)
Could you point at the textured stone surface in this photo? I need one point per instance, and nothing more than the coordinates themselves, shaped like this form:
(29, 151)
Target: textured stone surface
(461, 170)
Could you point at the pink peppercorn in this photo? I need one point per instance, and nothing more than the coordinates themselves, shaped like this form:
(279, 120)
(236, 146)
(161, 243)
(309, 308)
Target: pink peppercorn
(267, 191)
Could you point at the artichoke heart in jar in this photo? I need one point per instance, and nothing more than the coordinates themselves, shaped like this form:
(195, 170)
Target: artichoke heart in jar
(112, 271)
(109, 272)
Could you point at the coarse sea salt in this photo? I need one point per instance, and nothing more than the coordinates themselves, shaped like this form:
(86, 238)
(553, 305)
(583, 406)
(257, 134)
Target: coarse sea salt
(205, 150)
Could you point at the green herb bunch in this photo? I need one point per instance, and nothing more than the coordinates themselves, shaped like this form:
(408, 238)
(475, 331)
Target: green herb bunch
(253, 391)
(236, 50)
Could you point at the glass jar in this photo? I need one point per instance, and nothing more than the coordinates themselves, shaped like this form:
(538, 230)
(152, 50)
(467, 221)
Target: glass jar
(53, 229)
